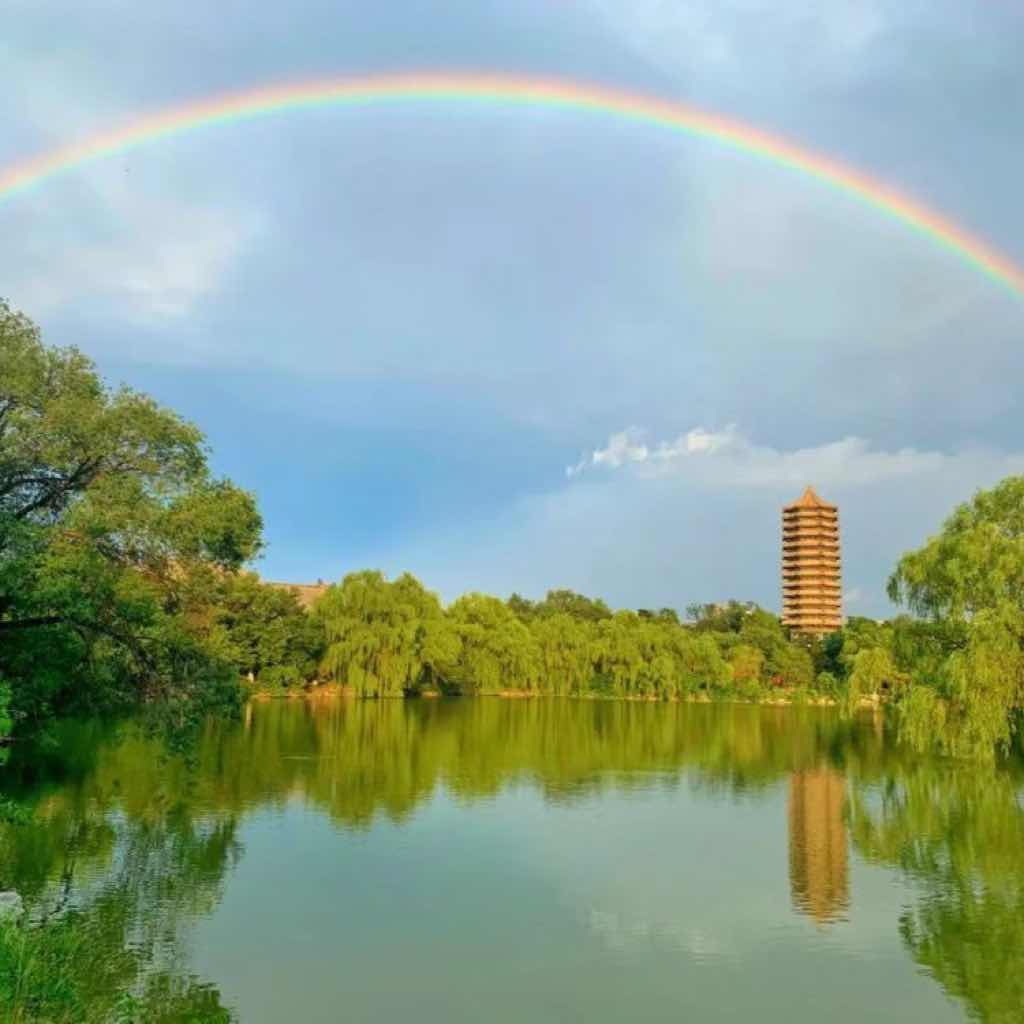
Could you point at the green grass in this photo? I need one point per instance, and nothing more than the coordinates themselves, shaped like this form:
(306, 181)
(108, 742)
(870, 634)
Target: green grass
(67, 972)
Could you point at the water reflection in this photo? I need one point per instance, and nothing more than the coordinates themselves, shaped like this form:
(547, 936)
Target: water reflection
(145, 840)
(958, 831)
(818, 870)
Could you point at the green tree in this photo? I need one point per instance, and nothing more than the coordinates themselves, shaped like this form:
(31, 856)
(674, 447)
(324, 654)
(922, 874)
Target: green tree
(660, 672)
(616, 655)
(974, 564)
(857, 635)
(563, 644)
(568, 602)
(112, 533)
(6, 721)
(499, 652)
(786, 663)
(720, 618)
(272, 638)
(385, 638)
(969, 581)
(747, 663)
(872, 670)
(704, 667)
(523, 607)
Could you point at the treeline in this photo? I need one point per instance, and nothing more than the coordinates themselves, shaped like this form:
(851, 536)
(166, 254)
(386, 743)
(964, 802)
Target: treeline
(953, 670)
(955, 676)
(122, 580)
(386, 638)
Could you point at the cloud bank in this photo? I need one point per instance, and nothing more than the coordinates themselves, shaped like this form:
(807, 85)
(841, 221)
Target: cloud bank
(725, 458)
(697, 518)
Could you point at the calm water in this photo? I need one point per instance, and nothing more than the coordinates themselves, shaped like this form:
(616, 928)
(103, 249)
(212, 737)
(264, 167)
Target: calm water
(538, 861)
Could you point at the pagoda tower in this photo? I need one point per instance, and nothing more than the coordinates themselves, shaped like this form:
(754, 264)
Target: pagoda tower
(811, 589)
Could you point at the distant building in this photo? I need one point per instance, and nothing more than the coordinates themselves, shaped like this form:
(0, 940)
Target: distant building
(307, 593)
(818, 869)
(811, 583)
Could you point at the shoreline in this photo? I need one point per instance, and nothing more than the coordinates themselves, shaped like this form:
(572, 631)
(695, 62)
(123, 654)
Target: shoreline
(334, 691)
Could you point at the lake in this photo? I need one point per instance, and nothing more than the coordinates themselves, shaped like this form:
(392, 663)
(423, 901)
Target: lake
(535, 860)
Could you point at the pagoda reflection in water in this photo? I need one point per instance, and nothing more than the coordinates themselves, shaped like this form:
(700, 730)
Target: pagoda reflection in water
(818, 868)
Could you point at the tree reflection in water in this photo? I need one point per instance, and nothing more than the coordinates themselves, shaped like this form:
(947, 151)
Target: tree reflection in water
(143, 840)
(958, 830)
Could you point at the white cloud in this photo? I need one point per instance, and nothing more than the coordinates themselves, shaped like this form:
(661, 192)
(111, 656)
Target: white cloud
(655, 27)
(718, 36)
(647, 524)
(628, 446)
(146, 256)
(149, 240)
(726, 458)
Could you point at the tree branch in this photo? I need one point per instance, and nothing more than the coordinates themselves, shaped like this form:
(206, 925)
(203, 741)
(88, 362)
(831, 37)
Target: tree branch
(40, 620)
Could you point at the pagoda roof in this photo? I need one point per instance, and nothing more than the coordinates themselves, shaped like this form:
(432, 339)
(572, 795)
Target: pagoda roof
(809, 499)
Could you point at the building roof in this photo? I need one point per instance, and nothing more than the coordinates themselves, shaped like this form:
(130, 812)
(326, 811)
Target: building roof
(809, 499)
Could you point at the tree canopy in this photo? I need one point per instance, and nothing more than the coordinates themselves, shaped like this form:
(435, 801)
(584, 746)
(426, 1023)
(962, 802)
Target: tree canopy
(967, 582)
(389, 638)
(113, 531)
(385, 638)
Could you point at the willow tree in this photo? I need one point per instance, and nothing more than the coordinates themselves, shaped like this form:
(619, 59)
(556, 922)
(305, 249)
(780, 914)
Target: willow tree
(616, 654)
(385, 638)
(499, 652)
(661, 643)
(970, 579)
(112, 532)
(703, 666)
(872, 670)
(563, 644)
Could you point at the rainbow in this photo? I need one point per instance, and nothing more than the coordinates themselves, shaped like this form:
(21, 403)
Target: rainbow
(513, 90)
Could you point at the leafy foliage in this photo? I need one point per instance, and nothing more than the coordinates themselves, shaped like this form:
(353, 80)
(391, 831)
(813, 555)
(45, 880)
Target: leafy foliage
(967, 583)
(975, 563)
(960, 836)
(385, 638)
(6, 721)
(268, 634)
(113, 534)
(391, 638)
(498, 652)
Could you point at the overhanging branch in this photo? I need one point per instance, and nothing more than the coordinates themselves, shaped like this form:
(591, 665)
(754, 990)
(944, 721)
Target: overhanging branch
(39, 620)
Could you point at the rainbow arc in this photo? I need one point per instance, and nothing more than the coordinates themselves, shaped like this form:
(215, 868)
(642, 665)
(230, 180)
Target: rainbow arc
(508, 90)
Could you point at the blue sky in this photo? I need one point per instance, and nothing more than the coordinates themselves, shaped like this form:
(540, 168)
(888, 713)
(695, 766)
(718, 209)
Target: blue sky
(402, 327)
